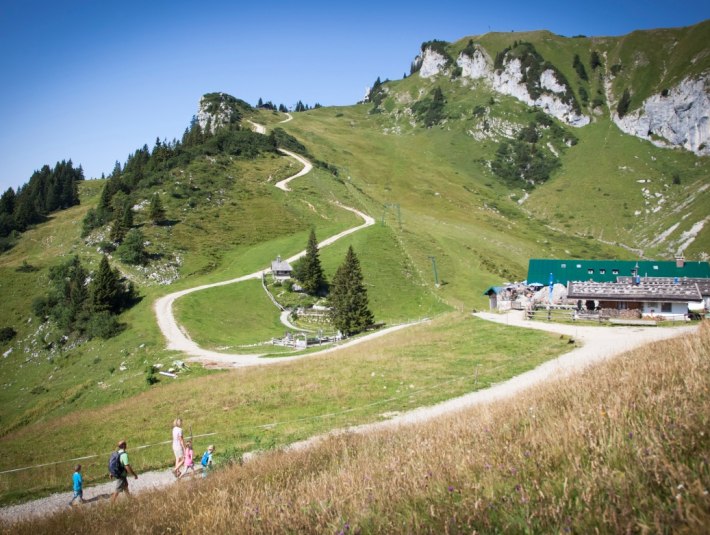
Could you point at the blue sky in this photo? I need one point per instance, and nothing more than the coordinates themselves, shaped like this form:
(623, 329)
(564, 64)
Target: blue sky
(93, 80)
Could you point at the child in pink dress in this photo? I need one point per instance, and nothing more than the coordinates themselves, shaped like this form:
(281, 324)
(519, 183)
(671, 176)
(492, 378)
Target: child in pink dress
(189, 463)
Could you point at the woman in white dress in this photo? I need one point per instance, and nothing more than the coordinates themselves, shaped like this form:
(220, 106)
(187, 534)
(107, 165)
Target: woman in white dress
(178, 446)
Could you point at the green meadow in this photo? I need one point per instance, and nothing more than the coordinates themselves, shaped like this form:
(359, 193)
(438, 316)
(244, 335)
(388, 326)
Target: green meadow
(446, 229)
(270, 406)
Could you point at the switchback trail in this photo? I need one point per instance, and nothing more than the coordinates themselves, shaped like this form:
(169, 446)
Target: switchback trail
(179, 340)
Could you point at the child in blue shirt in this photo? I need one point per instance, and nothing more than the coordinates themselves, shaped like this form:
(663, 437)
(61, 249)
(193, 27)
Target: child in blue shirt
(78, 486)
(207, 460)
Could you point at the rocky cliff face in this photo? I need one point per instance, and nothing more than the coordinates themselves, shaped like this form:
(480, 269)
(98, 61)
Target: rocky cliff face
(509, 81)
(217, 110)
(432, 63)
(678, 118)
(681, 118)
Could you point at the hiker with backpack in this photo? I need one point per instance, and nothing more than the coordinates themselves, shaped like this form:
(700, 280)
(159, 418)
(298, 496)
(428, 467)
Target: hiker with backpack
(119, 468)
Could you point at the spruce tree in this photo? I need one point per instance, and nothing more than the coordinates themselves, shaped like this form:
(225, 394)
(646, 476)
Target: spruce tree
(312, 277)
(156, 211)
(105, 289)
(122, 224)
(132, 250)
(594, 60)
(350, 312)
(7, 201)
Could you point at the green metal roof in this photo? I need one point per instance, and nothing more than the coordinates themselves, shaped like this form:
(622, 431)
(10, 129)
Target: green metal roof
(563, 271)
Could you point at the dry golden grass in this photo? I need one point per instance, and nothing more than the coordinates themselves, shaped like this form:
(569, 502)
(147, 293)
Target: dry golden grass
(622, 447)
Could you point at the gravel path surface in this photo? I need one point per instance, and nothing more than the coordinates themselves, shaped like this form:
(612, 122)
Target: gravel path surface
(598, 344)
(594, 345)
(92, 495)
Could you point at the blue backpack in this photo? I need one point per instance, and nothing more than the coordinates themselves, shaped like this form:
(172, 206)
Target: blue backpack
(205, 458)
(115, 467)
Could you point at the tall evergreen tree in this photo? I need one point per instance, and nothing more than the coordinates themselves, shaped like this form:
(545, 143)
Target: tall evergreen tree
(313, 279)
(7, 209)
(156, 212)
(105, 289)
(122, 224)
(7, 201)
(350, 311)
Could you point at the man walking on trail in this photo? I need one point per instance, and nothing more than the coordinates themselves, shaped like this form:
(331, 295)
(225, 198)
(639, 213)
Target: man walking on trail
(124, 468)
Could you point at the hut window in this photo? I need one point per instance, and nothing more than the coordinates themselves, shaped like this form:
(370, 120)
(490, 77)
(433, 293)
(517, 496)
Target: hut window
(590, 271)
(614, 271)
(602, 271)
(667, 307)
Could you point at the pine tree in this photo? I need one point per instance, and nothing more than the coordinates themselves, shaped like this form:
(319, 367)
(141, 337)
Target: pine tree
(156, 211)
(68, 295)
(132, 250)
(7, 201)
(122, 224)
(350, 313)
(313, 279)
(105, 289)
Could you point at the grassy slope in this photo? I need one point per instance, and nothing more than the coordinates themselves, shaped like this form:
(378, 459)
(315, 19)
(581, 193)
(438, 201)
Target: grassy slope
(395, 290)
(419, 366)
(214, 244)
(589, 184)
(451, 207)
(620, 448)
(658, 59)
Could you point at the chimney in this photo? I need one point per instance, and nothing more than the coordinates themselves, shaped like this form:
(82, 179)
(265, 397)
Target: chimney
(679, 261)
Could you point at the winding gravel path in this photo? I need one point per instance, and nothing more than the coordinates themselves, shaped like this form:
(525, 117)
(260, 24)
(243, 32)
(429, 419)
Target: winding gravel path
(598, 344)
(177, 337)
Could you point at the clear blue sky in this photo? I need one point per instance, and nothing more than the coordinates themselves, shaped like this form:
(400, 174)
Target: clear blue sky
(93, 80)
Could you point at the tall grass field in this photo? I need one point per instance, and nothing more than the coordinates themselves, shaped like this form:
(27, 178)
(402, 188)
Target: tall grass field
(620, 448)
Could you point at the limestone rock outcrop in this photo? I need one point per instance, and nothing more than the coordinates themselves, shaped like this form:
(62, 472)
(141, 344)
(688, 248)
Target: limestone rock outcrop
(679, 117)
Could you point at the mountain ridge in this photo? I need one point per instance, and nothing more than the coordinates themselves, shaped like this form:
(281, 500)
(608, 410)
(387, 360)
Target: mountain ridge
(675, 114)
